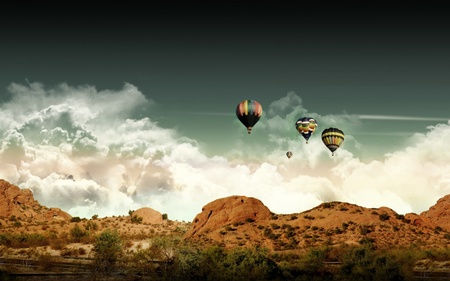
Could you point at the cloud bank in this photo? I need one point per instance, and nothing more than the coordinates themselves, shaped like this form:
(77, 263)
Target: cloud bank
(88, 152)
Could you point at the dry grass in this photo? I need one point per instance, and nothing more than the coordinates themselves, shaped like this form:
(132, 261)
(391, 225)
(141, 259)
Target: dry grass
(56, 240)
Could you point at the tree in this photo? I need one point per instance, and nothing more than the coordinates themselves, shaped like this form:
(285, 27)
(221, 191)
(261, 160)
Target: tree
(107, 249)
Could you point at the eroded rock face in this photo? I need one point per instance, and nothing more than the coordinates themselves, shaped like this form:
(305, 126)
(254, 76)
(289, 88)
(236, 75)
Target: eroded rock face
(149, 215)
(439, 214)
(21, 204)
(229, 210)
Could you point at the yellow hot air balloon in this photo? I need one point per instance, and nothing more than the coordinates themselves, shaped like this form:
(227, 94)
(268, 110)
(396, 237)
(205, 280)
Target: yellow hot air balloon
(332, 138)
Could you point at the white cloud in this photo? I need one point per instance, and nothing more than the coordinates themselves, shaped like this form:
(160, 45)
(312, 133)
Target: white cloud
(84, 151)
(401, 118)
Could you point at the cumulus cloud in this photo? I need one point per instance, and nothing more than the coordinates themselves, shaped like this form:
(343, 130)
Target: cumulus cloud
(87, 152)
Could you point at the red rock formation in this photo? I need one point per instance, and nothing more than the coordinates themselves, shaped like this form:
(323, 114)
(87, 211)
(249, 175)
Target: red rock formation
(228, 210)
(21, 204)
(439, 214)
(148, 215)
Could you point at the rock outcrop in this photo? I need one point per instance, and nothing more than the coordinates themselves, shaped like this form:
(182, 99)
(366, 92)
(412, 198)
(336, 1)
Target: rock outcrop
(20, 203)
(148, 215)
(229, 210)
(439, 214)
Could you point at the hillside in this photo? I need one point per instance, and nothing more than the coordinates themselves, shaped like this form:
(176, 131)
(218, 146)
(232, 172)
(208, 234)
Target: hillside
(245, 221)
(330, 223)
(32, 233)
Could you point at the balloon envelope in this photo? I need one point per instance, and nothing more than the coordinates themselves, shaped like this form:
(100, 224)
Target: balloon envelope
(306, 127)
(249, 112)
(289, 154)
(332, 138)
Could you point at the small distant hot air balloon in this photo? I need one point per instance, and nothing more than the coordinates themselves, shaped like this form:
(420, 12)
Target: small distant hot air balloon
(306, 127)
(289, 154)
(249, 112)
(332, 138)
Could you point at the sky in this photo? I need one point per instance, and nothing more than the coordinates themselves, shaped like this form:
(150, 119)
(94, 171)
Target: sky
(110, 108)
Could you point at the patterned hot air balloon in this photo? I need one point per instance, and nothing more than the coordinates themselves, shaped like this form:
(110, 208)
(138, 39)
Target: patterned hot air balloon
(249, 112)
(332, 138)
(289, 154)
(306, 127)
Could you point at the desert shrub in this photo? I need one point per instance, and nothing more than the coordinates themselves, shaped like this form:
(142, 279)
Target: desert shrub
(69, 252)
(107, 250)
(327, 205)
(136, 219)
(274, 226)
(314, 259)
(366, 240)
(229, 228)
(81, 251)
(165, 216)
(384, 217)
(45, 261)
(17, 224)
(364, 263)
(77, 234)
(75, 219)
(58, 244)
(216, 263)
(269, 234)
(23, 240)
(91, 226)
(363, 229)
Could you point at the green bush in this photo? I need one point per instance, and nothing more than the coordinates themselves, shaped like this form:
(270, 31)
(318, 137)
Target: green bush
(75, 219)
(77, 234)
(136, 219)
(107, 251)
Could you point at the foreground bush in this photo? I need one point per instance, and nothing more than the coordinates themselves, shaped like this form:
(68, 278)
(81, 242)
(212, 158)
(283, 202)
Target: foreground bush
(108, 250)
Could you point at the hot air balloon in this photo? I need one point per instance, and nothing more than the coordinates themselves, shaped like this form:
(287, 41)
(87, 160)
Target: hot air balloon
(332, 138)
(289, 154)
(249, 112)
(306, 127)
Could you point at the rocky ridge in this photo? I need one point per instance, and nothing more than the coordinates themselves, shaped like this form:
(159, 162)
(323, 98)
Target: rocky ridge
(20, 204)
(242, 221)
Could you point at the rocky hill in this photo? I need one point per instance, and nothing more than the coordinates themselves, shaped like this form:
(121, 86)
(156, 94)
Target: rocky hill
(439, 214)
(243, 221)
(20, 204)
(148, 215)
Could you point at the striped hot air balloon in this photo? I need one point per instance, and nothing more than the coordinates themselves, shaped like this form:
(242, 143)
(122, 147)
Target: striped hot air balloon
(249, 112)
(332, 138)
(306, 127)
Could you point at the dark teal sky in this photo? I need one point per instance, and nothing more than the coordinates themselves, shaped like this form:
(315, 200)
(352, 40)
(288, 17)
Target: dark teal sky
(194, 60)
(107, 108)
